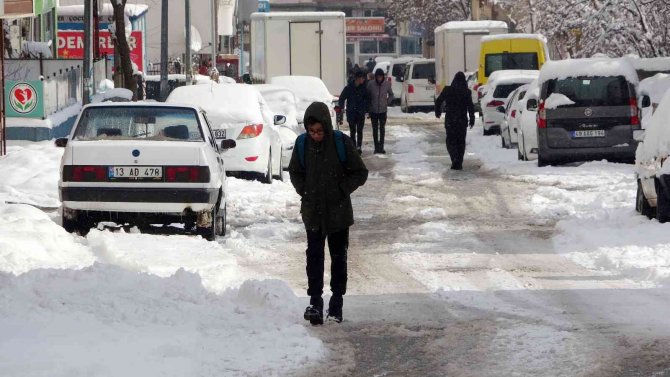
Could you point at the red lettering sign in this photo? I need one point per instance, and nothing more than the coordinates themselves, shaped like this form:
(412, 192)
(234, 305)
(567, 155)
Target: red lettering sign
(71, 45)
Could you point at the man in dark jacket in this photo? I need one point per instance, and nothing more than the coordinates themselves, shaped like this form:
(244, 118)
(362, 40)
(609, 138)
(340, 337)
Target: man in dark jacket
(381, 94)
(325, 179)
(357, 101)
(458, 104)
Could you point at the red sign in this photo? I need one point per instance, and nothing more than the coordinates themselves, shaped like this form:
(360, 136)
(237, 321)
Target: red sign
(71, 45)
(365, 25)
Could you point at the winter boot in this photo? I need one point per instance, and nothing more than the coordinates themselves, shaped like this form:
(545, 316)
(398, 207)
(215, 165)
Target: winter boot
(314, 312)
(335, 308)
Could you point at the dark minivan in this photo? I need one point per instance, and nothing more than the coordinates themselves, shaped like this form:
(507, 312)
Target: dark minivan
(590, 113)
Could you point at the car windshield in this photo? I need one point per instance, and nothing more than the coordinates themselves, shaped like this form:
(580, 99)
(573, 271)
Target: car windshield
(423, 71)
(132, 123)
(592, 91)
(503, 91)
(520, 60)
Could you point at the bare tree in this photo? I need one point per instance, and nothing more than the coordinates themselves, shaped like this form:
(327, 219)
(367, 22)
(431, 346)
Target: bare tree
(124, 66)
(429, 13)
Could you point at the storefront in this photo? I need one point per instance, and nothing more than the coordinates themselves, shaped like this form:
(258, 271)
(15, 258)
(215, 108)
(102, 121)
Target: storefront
(369, 37)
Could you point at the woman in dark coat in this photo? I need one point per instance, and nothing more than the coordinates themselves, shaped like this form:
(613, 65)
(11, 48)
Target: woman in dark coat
(458, 106)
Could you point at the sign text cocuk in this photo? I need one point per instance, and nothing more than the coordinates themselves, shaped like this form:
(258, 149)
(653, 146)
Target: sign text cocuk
(71, 45)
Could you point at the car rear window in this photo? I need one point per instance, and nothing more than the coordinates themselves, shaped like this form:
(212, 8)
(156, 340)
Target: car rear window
(504, 90)
(517, 60)
(398, 70)
(138, 123)
(423, 71)
(592, 91)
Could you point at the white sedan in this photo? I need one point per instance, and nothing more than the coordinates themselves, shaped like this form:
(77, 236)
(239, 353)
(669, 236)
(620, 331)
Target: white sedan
(282, 101)
(509, 128)
(527, 137)
(307, 89)
(141, 164)
(498, 88)
(239, 112)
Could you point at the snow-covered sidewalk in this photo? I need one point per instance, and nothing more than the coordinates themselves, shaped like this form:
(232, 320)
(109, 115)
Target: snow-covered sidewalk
(117, 303)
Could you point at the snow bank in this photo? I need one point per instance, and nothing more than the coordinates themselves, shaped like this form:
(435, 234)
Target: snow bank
(104, 320)
(307, 89)
(412, 164)
(30, 174)
(562, 69)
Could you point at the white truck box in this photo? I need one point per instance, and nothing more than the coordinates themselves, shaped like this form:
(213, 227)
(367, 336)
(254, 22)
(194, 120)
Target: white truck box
(457, 46)
(300, 44)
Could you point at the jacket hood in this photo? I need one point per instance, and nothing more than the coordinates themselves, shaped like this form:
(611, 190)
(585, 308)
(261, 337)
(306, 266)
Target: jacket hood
(459, 80)
(320, 112)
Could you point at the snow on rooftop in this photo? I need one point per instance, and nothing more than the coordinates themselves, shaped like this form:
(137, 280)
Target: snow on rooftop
(132, 10)
(297, 15)
(499, 37)
(562, 69)
(472, 25)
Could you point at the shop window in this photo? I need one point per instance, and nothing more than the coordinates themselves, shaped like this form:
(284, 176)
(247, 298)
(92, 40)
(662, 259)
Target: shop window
(387, 46)
(368, 47)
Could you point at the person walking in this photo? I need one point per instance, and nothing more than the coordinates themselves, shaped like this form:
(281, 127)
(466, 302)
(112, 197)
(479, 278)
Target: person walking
(325, 170)
(370, 65)
(355, 96)
(458, 106)
(381, 95)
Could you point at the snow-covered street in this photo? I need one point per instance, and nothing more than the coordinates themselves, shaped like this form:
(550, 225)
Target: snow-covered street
(502, 269)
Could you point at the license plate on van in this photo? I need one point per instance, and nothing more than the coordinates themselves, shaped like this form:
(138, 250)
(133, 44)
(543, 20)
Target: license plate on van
(588, 133)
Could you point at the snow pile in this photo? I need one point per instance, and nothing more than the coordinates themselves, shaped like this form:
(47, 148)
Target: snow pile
(30, 174)
(657, 136)
(655, 87)
(104, 320)
(557, 100)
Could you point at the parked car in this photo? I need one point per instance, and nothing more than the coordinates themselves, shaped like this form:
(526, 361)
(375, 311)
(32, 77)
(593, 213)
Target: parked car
(509, 127)
(396, 75)
(140, 164)
(655, 87)
(418, 87)
(527, 137)
(473, 85)
(307, 89)
(383, 65)
(651, 165)
(588, 110)
(239, 112)
(500, 85)
(282, 102)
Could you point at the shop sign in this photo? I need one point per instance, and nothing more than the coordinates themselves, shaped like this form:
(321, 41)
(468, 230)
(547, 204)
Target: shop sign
(24, 99)
(365, 25)
(71, 45)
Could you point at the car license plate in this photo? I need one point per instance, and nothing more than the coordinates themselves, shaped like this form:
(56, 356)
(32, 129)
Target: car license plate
(219, 134)
(135, 172)
(588, 133)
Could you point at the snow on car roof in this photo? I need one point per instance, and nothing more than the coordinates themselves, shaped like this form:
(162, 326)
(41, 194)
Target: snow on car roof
(403, 59)
(562, 69)
(471, 25)
(229, 103)
(657, 135)
(655, 86)
(649, 64)
(143, 104)
(304, 87)
(298, 15)
(498, 37)
(512, 74)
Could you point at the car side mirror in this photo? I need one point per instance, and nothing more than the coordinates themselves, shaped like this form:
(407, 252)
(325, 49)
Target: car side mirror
(531, 104)
(61, 142)
(646, 101)
(501, 109)
(280, 120)
(228, 144)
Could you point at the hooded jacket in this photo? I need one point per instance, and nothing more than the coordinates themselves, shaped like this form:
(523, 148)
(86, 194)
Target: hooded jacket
(380, 95)
(324, 183)
(357, 100)
(458, 103)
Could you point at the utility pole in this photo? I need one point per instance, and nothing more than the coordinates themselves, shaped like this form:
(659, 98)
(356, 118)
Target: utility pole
(187, 54)
(164, 51)
(86, 92)
(214, 36)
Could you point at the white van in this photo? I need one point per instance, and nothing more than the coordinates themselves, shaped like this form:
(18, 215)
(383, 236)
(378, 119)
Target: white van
(418, 87)
(396, 73)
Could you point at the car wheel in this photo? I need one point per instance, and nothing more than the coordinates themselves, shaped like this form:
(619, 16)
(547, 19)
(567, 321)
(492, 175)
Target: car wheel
(267, 178)
(662, 203)
(78, 224)
(209, 233)
(641, 203)
(280, 176)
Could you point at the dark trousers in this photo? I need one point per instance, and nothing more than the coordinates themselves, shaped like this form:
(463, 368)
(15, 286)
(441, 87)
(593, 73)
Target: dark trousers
(378, 129)
(356, 129)
(338, 244)
(456, 144)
